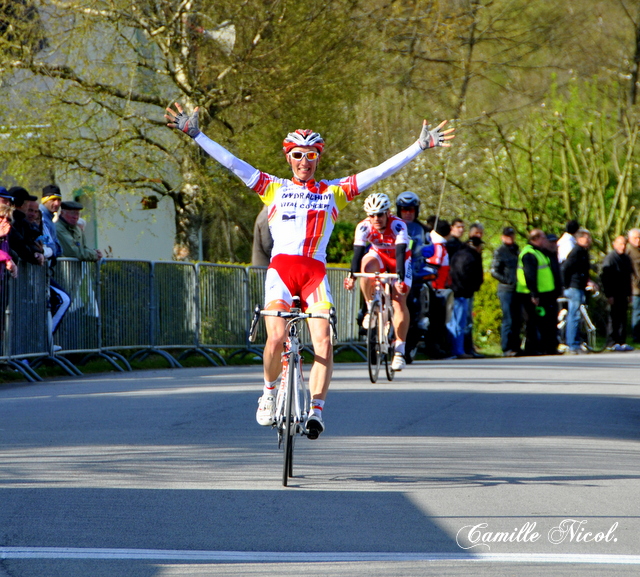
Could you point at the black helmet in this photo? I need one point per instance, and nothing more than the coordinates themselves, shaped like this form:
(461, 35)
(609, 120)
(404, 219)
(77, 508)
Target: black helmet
(408, 199)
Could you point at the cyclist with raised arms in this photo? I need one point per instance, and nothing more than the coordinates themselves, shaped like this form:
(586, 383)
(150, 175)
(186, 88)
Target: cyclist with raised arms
(302, 214)
(389, 251)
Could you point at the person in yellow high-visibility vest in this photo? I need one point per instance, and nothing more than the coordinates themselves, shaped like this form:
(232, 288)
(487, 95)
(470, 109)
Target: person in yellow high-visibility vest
(535, 289)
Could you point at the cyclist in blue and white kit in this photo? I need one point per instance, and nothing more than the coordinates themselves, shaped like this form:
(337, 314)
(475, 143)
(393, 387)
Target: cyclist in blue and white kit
(408, 209)
(302, 214)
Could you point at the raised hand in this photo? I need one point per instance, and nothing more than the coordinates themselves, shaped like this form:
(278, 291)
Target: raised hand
(182, 121)
(435, 137)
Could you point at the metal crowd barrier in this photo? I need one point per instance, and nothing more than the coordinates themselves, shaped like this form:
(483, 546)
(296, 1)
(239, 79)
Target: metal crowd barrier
(149, 307)
(223, 307)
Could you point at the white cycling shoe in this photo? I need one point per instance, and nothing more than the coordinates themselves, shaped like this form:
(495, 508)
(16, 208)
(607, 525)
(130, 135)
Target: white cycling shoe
(266, 413)
(315, 426)
(398, 362)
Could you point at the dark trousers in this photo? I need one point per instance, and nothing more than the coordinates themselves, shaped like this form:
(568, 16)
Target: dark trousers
(617, 329)
(635, 318)
(541, 324)
(511, 321)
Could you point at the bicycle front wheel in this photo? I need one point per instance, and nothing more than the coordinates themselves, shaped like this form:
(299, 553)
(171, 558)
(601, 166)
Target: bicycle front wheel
(289, 432)
(373, 343)
(388, 357)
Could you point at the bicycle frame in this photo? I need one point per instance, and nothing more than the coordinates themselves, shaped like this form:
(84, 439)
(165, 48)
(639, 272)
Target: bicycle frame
(381, 301)
(292, 370)
(590, 339)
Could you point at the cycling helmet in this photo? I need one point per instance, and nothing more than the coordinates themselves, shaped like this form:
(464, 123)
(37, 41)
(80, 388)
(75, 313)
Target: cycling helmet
(408, 199)
(376, 202)
(303, 137)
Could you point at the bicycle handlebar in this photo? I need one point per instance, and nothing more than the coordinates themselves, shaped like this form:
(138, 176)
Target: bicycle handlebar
(380, 275)
(292, 316)
(295, 315)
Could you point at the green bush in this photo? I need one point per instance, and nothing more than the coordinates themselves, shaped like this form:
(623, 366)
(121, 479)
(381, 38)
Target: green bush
(487, 315)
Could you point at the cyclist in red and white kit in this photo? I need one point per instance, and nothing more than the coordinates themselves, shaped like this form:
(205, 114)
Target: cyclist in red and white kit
(389, 251)
(302, 214)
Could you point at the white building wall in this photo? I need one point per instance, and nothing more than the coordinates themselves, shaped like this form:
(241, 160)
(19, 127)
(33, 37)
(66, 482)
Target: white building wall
(121, 228)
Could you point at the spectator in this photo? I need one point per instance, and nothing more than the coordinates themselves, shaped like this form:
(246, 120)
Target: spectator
(476, 229)
(503, 268)
(567, 241)
(455, 243)
(438, 307)
(23, 236)
(5, 198)
(551, 250)
(6, 261)
(466, 279)
(535, 290)
(430, 223)
(440, 256)
(575, 276)
(71, 236)
(59, 299)
(633, 250)
(50, 204)
(616, 284)
(262, 239)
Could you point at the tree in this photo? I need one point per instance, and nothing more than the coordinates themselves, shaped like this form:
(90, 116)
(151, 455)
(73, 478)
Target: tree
(97, 94)
(573, 159)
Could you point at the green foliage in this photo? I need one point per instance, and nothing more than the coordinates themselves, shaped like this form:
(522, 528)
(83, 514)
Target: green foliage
(340, 248)
(487, 315)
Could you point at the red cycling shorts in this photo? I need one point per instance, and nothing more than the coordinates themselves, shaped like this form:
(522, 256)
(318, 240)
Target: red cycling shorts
(302, 276)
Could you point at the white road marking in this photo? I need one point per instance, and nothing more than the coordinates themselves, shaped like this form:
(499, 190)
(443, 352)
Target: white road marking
(301, 557)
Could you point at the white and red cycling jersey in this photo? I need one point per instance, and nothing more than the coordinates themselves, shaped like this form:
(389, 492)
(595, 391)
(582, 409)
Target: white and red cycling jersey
(302, 215)
(383, 243)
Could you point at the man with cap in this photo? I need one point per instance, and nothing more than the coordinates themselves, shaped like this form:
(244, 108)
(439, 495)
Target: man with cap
(22, 237)
(5, 198)
(50, 204)
(504, 267)
(575, 276)
(71, 236)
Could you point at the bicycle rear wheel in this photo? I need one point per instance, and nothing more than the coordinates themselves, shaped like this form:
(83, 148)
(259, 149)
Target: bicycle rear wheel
(373, 343)
(289, 432)
(594, 328)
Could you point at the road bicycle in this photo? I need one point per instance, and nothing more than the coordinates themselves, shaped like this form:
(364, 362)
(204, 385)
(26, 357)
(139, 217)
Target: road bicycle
(293, 397)
(593, 323)
(380, 333)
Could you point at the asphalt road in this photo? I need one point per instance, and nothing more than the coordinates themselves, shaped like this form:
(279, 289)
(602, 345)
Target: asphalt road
(483, 467)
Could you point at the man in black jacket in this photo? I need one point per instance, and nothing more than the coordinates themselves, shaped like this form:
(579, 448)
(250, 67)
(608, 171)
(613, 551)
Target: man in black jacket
(466, 279)
(616, 283)
(575, 274)
(503, 268)
(22, 238)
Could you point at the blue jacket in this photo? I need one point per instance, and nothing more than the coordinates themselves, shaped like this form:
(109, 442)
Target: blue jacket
(51, 235)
